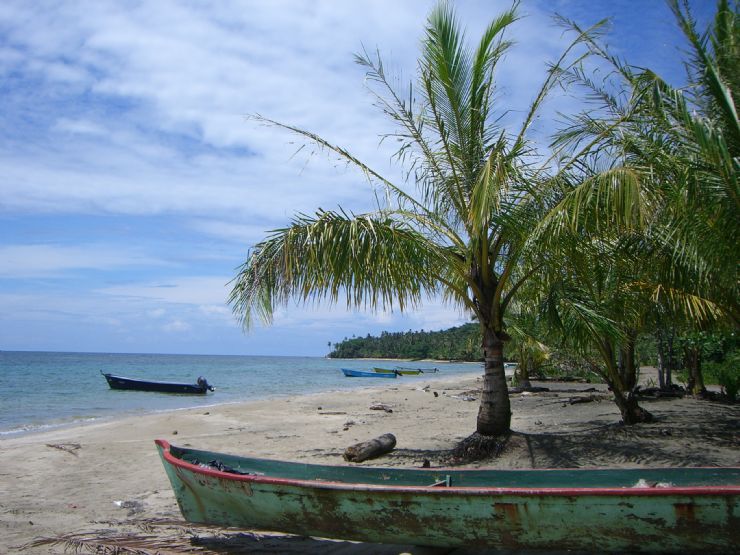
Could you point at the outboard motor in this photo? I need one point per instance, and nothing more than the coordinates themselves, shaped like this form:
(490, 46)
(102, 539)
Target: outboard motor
(204, 383)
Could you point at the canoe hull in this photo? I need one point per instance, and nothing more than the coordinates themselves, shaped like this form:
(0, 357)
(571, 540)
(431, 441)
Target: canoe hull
(684, 519)
(362, 374)
(131, 384)
(398, 372)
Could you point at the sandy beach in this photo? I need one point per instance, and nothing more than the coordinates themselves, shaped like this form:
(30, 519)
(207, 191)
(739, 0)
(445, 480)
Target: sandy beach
(102, 484)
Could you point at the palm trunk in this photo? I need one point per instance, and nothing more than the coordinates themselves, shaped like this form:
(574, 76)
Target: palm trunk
(692, 361)
(526, 363)
(631, 412)
(664, 341)
(621, 379)
(494, 415)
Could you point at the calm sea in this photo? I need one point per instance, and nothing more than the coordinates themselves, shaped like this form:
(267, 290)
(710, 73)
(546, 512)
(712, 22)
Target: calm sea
(42, 390)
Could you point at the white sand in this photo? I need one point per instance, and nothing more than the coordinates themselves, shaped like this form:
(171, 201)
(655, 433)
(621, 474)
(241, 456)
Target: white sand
(104, 482)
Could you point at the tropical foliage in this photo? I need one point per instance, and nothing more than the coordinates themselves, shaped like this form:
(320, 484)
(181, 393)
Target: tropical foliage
(629, 228)
(670, 156)
(458, 343)
(461, 234)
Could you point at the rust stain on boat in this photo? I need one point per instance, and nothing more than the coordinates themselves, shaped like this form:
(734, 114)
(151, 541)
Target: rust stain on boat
(508, 512)
(685, 512)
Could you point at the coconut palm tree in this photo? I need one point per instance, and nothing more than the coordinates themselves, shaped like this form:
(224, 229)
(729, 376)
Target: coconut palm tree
(681, 149)
(461, 234)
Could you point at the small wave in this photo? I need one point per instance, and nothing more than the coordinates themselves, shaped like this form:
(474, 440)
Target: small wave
(46, 427)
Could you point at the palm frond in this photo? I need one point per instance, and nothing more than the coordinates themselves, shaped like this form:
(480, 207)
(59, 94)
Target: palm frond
(372, 260)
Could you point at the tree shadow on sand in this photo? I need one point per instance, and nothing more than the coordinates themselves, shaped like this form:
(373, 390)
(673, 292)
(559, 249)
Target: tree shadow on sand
(684, 433)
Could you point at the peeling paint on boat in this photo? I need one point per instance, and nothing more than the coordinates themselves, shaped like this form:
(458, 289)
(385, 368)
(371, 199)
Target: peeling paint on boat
(589, 509)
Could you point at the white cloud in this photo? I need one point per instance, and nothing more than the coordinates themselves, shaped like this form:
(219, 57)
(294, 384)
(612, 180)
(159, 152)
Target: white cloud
(24, 261)
(79, 126)
(216, 310)
(189, 290)
(176, 326)
(156, 313)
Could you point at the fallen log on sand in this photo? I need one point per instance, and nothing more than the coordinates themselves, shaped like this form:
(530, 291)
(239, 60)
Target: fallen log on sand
(370, 449)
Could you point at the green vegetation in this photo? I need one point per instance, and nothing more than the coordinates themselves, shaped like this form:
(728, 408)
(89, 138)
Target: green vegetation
(459, 343)
(718, 356)
(628, 229)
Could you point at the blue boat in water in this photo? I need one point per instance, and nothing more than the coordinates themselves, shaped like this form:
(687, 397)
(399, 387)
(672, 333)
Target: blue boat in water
(360, 374)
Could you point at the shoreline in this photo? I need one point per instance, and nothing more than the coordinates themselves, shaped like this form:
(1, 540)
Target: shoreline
(82, 422)
(104, 479)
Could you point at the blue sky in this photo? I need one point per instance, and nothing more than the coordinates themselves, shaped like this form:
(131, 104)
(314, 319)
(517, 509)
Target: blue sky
(133, 185)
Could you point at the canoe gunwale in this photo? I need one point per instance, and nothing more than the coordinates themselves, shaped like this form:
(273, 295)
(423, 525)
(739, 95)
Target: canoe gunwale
(723, 490)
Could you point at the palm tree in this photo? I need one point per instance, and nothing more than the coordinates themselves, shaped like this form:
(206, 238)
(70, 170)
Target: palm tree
(593, 309)
(461, 234)
(677, 152)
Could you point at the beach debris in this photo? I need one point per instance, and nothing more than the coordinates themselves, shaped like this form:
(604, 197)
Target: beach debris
(174, 433)
(133, 506)
(165, 536)
(464, 397)
(669, 392)
(642, 483)
(66, 447)
(436, 394)
(586, 399)
(221, 467)
(528, 390)
(334, 412)
(381, 406)
(477, 447)
(370, 449)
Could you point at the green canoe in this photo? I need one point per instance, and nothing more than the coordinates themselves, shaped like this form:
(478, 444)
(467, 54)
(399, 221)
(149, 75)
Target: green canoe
(652, 510)
(398, 372)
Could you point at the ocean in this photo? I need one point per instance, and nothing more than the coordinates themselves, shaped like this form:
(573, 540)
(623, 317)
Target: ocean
(45, 390)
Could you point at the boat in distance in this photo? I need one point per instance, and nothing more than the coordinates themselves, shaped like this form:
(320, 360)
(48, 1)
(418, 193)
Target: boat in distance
(201, 387)
(364, 374)
(397, 371)
(421, 370)
(604, 510)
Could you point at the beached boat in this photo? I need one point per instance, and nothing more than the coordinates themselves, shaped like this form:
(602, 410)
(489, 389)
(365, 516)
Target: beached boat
(364, 374)
(600, 510)
(119, 382)
(398, 372)
(420, 370)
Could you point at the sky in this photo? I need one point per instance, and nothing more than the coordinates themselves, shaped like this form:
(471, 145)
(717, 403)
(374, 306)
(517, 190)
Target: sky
(133, 181)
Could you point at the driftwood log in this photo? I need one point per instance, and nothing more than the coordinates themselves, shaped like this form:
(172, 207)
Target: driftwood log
(370, 449)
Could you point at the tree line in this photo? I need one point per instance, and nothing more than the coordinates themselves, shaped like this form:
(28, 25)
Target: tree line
(458, 343)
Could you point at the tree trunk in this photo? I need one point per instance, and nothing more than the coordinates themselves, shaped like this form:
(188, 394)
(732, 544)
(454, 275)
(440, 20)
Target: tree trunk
(627, 364)
(662, 360)
(692, 361)
(370, 449)
(521, 374)
(664, 342)
(526, 363)
(494, 415)
(631, 412)
(621, 379)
